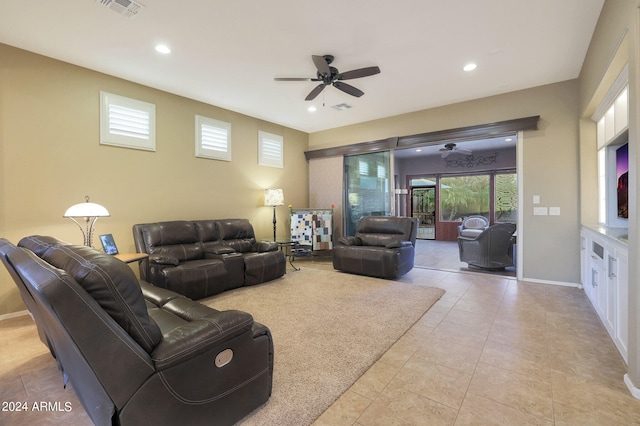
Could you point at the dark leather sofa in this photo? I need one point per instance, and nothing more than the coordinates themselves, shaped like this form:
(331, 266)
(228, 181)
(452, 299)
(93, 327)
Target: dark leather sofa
(134, 353)
(383, 247)
(205, 257)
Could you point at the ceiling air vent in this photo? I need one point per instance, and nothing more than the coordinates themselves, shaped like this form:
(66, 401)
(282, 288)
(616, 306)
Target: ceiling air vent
(341, 107)
(125, 8)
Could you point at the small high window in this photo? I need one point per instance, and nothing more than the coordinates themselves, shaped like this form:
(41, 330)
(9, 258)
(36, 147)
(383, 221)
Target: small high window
(127, 122)
(270, 150)
(213, 139)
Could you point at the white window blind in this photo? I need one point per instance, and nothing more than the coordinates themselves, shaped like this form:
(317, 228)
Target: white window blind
(127, 122)
(270, 150)
(363, 168)
(213, 139)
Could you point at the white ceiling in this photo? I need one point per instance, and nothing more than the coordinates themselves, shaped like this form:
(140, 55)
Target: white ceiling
(227, 53)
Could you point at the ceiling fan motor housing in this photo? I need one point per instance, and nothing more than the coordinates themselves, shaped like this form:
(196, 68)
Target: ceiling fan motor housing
(328, 79)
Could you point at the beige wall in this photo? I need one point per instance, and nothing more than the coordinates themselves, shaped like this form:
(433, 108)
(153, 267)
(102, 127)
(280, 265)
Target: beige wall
(51, 158)
(550, 167)
(326, 178)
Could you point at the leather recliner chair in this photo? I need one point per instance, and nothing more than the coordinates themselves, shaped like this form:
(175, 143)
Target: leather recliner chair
(134, 353)
(383, 247)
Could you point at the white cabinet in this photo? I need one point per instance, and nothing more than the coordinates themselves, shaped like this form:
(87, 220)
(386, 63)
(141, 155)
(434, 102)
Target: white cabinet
(605, 281)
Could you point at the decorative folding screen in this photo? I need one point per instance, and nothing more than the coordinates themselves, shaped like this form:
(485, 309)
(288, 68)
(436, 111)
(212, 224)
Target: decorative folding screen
(312, 228)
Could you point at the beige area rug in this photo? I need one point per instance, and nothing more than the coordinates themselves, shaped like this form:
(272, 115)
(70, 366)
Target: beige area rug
(328, 328)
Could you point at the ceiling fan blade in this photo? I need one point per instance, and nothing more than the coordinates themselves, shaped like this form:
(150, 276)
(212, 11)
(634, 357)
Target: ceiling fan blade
(362, 72)
(446, 153)
(295, 79)
(346, 88)
(315, 92)
(321, 64)
(464, 151)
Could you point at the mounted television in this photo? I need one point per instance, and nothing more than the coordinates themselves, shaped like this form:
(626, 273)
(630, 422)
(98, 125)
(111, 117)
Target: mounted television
(622, 176)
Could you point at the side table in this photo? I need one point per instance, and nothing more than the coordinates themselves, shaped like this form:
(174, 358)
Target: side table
(131, 257)
(289, 248)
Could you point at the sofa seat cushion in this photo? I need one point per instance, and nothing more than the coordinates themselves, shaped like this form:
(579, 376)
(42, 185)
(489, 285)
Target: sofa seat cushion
(196, 279)
(108, 280)
(263, 267)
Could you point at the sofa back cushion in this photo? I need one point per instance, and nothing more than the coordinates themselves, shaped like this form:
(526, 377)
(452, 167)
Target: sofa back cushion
(177, 239)
(237, 233)
(207, 230)
(108, 280)
(385, 231)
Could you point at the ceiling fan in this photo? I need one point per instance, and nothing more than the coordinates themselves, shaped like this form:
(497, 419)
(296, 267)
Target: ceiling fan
(331, 76)
(451, 147)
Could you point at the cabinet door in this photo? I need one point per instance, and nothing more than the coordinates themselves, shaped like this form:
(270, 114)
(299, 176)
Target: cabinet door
(584, 261)
(611, 294)
(621, 335)
(600, 288)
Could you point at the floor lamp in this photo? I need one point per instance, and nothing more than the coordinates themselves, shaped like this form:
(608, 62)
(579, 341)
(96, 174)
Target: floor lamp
(90, 212)
(273, 197)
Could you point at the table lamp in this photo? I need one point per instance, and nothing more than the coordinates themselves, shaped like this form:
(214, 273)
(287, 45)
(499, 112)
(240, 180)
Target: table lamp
(90, 212)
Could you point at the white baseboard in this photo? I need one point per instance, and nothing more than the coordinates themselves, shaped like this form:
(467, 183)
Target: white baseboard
(13, 315)
(561, 283)
(635, 392)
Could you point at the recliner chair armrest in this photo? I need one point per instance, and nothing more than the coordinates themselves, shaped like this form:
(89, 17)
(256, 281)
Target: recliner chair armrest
(157, 295)
(265, 246)
(214, 250)
(398, 244)
(163, 259)
(191, 339)
(349, 241)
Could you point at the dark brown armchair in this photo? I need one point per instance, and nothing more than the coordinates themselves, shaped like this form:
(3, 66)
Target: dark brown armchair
(492, 249)
(383, 247)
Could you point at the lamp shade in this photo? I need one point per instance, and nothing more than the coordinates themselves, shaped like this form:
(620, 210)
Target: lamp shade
(273, 197)
(86, 210)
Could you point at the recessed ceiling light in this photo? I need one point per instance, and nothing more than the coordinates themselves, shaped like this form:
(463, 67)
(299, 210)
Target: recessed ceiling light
(312, 109)
(418, 150)
(508, 140)
(470, 67)
(163, 48)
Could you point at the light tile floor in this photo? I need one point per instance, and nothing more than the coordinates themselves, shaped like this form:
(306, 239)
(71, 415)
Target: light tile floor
(492, 351)
(445, 256)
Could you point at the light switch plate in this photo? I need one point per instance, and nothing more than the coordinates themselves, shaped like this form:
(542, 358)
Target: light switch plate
(540, 211)
(536, 199)
(554, 211)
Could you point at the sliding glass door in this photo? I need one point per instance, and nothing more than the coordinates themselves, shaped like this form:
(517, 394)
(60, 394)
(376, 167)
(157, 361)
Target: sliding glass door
(367, 183)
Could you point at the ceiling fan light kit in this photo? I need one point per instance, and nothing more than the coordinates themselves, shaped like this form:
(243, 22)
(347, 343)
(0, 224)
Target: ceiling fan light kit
(330, 76)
